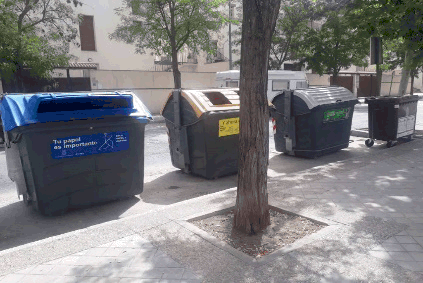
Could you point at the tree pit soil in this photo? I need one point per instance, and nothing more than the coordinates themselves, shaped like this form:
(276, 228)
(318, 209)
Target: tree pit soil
(284, 229)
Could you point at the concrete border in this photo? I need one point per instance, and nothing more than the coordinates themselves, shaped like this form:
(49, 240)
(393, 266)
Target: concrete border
(158, 119)
(362, 133)
(331, 227)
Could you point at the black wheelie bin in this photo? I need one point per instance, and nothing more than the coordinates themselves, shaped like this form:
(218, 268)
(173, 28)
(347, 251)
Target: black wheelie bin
(391, 118)
(314, 121)
(69, 150)
(203, 129)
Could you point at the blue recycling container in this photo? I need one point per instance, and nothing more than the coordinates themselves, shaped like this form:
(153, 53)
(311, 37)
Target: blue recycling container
(67, 150)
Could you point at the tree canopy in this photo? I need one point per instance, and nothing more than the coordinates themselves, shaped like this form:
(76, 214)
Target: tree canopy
(290, 30)
(397, 21)
(35, 35)
(334, 46)
(167, 26)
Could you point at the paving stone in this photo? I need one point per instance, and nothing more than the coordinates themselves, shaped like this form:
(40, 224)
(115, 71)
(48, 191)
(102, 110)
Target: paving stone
(419, 240)
(12, 278)
(189, 275)
(393, 247)
(391, 240)
(55, 261)
(61, 270)
(78, 271)
(378, 248)
(405, 240)
(380, 254)
(411, 265)
(112, 251)
(104, 271)
(155, 273)
(72, 260)
(137, 280)
(415, 233)
(412, 247)
(173, 273)
(32, 278)
(401, 256)
(417, 256)
(93, 252)
(162, 261)
(180, 281)
(99, 280)
(41, 269)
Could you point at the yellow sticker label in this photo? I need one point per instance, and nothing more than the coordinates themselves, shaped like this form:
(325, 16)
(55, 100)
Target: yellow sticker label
(228, 127)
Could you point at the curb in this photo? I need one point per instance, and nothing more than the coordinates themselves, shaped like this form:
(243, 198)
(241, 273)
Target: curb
(158, 119)
(362, 133)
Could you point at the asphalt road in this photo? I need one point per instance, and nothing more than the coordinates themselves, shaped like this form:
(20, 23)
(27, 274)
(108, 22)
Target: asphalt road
(163, 185)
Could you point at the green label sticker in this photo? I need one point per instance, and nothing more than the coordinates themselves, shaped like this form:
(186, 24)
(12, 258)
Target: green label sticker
(336, 114)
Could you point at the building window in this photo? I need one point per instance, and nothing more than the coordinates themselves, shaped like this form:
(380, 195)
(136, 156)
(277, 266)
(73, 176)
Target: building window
(289, 67)
(86, 31)
(232, 11)
(280, 85)
(231, 83)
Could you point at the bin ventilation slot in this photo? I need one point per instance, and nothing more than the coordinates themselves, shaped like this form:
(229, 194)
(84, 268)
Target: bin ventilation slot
(217, 98)
(81, 103)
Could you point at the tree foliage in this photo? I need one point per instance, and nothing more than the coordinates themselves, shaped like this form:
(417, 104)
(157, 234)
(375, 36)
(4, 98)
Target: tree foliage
(290, 30)
(35, 35)
(167, 26)
(399, 22)
(334, 46)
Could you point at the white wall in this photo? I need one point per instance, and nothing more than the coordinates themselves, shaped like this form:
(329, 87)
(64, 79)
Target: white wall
(152, 88)
(110, 55)
(317, 80)
(386, 88)
(114, 55)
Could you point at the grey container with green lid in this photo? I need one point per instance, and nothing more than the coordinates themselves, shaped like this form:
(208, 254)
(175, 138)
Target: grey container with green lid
(313, 121)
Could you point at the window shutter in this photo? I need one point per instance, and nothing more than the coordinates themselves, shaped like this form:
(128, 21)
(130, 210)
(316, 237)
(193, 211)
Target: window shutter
(86, 31)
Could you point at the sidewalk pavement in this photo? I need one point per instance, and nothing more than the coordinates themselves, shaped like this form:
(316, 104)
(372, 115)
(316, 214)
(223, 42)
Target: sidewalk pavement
(372, 203)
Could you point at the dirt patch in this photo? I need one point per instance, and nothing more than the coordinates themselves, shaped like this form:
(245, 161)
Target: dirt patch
(284, 230)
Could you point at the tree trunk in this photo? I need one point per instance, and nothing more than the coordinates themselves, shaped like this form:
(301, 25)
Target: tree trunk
(252, 209)
(177, 81)
(378, 79)
(412, 81)
(175, 67)
(334, 79)
(405, 73)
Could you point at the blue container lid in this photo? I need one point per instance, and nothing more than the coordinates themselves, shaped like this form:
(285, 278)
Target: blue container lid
(24, 109)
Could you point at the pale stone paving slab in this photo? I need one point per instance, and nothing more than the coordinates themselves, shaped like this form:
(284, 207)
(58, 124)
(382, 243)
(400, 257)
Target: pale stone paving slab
(130, 259)
(382, 190)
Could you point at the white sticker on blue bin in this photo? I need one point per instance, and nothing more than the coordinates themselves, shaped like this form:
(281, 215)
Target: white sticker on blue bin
(76, 146)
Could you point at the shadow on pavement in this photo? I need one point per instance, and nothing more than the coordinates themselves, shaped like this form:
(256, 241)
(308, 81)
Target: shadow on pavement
(371, 203)
(22, 225)
(324, 260)
(177, 186)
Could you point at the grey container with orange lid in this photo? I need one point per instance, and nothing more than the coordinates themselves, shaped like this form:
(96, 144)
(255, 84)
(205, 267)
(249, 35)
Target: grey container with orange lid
(203, 129)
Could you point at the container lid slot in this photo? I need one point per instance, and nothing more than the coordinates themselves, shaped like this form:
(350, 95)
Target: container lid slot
(217, 98)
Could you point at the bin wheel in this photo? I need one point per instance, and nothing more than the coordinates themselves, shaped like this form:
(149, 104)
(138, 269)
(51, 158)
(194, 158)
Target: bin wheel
(26, 199)
(369, 142)
(390, 144)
